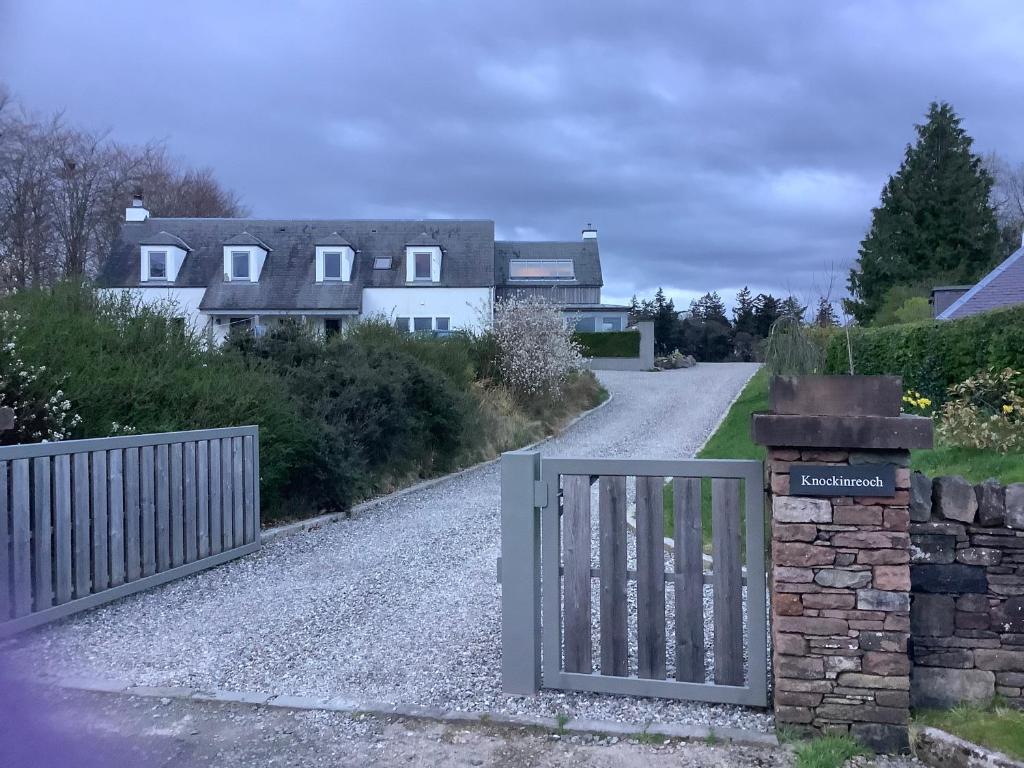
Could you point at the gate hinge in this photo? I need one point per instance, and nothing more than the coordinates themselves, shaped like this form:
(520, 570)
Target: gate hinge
(540, 494)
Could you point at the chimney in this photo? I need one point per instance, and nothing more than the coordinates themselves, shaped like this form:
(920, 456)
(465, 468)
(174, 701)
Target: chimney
(589, 232)
(138, 211)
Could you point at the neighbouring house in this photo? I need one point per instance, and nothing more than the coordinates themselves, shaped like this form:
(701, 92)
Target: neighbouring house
(424, 275)
(1002, 287)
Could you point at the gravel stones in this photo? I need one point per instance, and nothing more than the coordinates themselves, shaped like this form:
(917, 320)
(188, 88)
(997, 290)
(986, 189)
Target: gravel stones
(397, 605)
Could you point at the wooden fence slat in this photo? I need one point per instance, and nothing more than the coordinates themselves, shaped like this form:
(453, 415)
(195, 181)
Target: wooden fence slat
(132, 515)
(689, 579)
(177, 506)
(191, 543)
(147, 512)
(100, 522)
(115, 478)
(5, 545)
(576, 532)
(80, 514)
(21, 538)
(650, 566)
(216, 511)
(238, 502)
(727, 581)
(227, 519)
(249, 465)
(62, 545)
(614, 606)
(203, 497)
(42, 534)
(163, 509)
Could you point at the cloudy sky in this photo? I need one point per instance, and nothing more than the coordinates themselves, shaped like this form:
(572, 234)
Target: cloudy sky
(712, 144)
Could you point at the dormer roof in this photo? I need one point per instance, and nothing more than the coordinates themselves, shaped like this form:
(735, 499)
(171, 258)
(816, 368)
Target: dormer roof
(165, 238)
(423, 239)
(333, 239)
(244, 238)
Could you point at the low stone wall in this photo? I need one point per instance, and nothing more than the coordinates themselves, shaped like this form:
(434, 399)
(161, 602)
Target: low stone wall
(967, 584)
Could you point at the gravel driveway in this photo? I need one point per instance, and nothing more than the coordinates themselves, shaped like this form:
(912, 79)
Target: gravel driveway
(398, 605)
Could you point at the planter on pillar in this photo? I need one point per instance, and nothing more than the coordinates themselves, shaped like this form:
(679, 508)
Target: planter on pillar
(839, 485)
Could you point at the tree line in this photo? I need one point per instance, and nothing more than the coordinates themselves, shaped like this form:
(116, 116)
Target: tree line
(706, 331)
(63, 191)
(946, 217)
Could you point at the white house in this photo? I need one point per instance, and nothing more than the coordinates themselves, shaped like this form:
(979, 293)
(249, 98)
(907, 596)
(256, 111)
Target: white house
(424, 275)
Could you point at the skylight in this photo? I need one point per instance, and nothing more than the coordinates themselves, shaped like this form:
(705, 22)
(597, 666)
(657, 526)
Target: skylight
(382, 262)
(541, 269)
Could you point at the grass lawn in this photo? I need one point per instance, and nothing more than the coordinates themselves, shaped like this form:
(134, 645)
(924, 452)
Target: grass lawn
(971, 463)
(730, 441)
(827, 752)
(996, 727)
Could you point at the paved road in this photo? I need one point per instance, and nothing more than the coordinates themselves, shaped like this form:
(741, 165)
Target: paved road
(100, 730)
(398, 605)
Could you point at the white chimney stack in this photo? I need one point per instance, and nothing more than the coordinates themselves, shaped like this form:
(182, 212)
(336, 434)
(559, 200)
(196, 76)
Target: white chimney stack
(138, 211)
(589, 232)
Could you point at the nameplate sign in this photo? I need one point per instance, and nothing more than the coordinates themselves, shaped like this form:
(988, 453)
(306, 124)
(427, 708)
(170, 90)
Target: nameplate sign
(852, 480)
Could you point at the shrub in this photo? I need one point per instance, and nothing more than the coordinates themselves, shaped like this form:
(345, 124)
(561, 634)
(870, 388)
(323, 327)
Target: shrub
(934, 355)
(790, 351)
(985, 412)
(535, 346)
(608, 343)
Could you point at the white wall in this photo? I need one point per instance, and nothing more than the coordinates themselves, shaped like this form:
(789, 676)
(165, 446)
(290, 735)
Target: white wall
(462, 305)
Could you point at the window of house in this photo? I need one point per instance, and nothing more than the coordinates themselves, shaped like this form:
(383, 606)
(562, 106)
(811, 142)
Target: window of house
(421, 324)
(382, 262)
(422, 266)
(402, 323)
(332, 265)
(332, 325)
(158, 265)
(541, 269)
(239, 265)
(612, 323)
(442, 324)
(586, 324)
(241, 323)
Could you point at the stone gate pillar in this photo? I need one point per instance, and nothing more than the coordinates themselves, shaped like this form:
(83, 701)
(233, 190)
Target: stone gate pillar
(838, 479)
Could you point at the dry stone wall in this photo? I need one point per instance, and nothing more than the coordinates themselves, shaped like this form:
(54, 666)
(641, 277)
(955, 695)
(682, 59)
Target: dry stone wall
(967, 580)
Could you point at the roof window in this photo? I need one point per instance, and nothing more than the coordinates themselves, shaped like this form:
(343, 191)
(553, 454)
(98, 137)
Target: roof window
(541, 269)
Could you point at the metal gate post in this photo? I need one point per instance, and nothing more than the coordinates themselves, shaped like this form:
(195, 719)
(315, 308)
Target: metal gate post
(520, 573)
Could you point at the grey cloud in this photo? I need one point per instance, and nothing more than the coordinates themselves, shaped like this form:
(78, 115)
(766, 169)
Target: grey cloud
(713, 146)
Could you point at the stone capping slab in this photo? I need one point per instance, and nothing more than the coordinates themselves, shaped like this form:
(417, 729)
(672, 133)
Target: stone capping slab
(312, 523)
(418, 712)
(939, 749)
(836, 395)
(854, 432)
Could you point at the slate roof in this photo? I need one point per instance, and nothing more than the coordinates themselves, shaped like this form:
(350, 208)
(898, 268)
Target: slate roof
(1002, 287)
(288, 278)
(244, 238)
(333, 239)
(584, 254)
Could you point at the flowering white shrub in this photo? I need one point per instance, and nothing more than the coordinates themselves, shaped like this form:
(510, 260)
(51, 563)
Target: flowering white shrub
(536, 351)
(985, 412)
(38, 416)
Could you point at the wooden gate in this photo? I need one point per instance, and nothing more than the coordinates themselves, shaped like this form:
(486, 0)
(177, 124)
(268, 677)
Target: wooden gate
(83, 522)
(599, 586)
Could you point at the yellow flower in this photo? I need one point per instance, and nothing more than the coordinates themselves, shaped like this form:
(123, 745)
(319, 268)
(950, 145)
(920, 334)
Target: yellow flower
(924, 402)
(1007, 409)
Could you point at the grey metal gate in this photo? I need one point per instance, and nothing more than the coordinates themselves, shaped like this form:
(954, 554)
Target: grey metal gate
(549, 545)
(83, 522)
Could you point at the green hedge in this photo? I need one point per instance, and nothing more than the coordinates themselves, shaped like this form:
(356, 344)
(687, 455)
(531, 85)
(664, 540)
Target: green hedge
(609, 343)
(932, 355)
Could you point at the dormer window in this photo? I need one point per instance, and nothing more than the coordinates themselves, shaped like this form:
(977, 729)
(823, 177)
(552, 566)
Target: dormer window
(332, 265)
(161, 257)
(244, 258)
(335, 258)
(158, 265)
(541, 269)
(239, 265)
(423, 260)
(422, 266)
